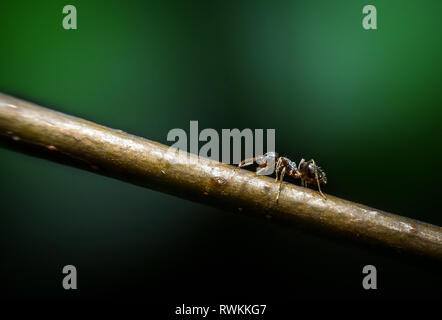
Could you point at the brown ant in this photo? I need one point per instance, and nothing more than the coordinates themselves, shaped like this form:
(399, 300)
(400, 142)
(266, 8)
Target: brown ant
(307, 171)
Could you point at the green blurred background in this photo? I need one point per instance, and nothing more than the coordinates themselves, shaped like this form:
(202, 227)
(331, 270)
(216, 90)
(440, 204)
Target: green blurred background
(364, 104)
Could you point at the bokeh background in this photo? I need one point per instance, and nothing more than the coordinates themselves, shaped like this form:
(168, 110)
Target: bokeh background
(365, 104)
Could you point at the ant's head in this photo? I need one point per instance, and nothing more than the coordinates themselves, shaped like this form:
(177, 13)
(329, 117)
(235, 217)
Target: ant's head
(267, 159)
(270, 155)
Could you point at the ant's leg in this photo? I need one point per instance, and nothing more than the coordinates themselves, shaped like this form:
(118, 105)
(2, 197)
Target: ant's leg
(246, 162)
(300, 163)
(296, 174)
(280, 182)
(261, 170)
(317, 179)
(299, 172)
(278, 167)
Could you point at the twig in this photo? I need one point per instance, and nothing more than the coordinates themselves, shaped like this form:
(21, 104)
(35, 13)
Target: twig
(114, 153)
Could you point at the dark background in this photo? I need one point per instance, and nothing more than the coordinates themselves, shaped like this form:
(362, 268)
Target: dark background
(364, 104)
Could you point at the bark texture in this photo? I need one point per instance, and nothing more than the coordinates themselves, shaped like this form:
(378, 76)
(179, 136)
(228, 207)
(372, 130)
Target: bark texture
(74, 141)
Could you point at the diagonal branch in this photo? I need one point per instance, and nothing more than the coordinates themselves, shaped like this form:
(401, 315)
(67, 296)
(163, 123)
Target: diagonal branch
(114, 153)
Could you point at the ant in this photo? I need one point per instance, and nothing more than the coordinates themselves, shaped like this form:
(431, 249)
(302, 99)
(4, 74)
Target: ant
(307, 171)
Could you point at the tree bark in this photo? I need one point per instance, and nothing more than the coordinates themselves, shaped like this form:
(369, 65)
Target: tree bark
(74, 141)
